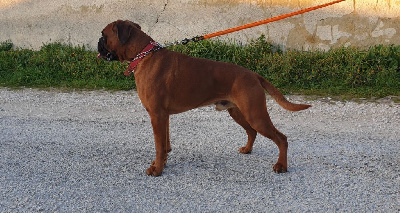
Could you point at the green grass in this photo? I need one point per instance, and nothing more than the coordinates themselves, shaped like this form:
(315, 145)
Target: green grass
(60, 66)
(340, 72)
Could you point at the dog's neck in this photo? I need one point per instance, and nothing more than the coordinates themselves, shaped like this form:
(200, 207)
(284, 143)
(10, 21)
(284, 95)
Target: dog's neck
(137, 42)
(151, 47)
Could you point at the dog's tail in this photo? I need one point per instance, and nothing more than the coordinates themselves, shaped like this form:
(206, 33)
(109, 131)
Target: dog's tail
(279, 98)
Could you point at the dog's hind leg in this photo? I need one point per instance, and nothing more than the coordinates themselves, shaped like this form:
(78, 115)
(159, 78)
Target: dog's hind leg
(251, 133)
(269, 131)
(262, 124)
(255, 112)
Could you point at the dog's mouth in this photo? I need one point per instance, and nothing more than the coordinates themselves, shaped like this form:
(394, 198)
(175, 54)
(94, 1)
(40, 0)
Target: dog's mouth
(104, 53)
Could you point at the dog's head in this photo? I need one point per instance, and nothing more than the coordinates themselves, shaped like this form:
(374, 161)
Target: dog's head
(115, 42)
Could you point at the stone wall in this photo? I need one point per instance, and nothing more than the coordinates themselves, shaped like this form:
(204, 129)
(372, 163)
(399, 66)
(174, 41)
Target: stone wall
(362, 23)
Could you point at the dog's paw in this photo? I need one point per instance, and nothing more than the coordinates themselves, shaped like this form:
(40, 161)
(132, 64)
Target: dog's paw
(165, 162)
(279, 168)
(154, 171)
(245, 150)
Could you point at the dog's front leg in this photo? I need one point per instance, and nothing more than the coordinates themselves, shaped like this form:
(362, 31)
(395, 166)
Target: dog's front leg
(168, 140)
(159, 121)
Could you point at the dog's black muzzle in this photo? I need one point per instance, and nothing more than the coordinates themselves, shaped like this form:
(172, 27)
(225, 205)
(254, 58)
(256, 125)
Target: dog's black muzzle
(104, 53)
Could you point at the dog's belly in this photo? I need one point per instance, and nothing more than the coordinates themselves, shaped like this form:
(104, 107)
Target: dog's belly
(220, 105)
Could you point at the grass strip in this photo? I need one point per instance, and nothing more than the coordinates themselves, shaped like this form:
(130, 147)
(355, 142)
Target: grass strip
(343, 71)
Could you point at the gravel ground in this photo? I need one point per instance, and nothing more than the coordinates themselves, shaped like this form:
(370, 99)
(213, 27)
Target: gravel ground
(87, 151)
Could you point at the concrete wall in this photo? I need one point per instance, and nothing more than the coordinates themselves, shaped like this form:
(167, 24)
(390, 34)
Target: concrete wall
(30, 23)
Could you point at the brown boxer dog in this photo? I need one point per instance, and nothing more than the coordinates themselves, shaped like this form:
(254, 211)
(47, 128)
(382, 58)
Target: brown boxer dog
(169, 82)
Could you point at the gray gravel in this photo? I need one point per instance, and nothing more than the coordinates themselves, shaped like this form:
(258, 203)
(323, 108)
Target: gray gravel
(87, 151)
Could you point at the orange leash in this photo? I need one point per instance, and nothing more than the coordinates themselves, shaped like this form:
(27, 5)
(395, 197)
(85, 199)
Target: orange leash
(265, 21)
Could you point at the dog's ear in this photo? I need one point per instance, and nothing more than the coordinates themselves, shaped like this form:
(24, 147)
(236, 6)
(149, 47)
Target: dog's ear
(124, 30)
(136, 25)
